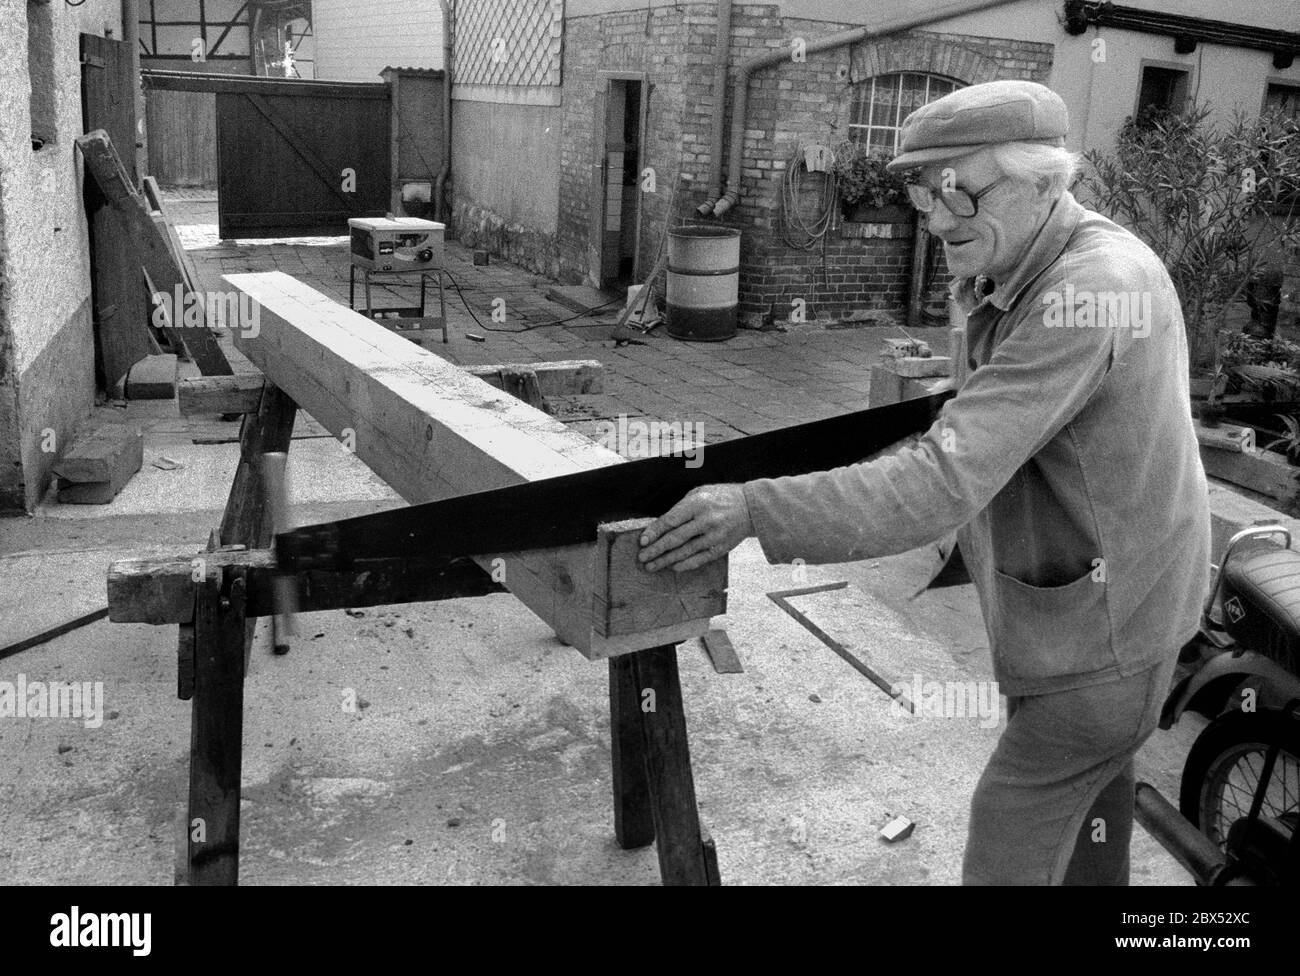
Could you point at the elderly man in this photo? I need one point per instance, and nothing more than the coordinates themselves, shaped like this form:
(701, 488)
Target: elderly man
(1066, 463)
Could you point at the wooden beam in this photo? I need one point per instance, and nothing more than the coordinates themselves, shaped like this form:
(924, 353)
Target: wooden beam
(161, 589)
(432, 431)
(156, 80)
(240, 393)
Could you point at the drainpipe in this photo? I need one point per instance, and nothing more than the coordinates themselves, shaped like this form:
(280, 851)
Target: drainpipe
(740, 93)
(721, 51)
(439, 207)
(131, 38)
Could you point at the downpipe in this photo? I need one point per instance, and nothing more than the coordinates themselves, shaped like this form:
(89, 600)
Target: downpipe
(721, 54)
(440, 182)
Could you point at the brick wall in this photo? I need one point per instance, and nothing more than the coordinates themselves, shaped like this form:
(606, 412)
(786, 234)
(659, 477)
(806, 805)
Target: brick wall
(789, 104)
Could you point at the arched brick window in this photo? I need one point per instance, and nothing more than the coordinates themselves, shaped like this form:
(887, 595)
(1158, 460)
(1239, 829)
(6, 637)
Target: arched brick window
(882, 102)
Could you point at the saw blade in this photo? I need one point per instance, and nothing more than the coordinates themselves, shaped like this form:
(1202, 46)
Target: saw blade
(567, 510)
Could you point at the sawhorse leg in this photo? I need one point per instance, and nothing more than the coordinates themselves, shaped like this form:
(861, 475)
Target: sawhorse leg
(654, 789)
(218, 652)
(216, 732)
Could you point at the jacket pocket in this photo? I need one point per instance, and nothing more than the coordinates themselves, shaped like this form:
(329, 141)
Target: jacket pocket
(1050, 631)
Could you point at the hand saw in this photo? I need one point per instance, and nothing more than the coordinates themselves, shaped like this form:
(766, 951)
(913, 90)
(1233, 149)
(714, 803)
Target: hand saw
(567, 510)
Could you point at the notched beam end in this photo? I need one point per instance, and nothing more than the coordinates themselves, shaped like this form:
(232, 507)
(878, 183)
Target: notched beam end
(628, 599)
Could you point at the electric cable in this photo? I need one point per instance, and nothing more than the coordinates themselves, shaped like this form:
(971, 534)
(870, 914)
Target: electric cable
(813, 230)
(528, 328)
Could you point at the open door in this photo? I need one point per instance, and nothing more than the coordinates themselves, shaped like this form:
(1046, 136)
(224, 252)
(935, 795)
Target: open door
(618, 142)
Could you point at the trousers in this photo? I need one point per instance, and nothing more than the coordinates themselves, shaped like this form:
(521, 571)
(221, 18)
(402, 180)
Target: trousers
(1054, 805)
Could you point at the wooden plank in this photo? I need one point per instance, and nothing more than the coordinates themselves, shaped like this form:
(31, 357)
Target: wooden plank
(160, 589)
(156, 80)
(237, 393)
(216, 733)
(189, 274)
(431, 431)
(722, 653)
(152, 252)
(1263, 471)
(241, 392)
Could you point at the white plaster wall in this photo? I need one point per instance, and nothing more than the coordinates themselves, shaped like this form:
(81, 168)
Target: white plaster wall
(355, 41)
(1099, 94)
(1276, 14)
(44, 255)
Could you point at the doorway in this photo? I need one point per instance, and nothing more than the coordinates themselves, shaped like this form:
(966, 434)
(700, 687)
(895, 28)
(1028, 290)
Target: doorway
(617, 181)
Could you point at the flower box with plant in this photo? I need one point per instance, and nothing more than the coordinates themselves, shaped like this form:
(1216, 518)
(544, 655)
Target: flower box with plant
(868, 192)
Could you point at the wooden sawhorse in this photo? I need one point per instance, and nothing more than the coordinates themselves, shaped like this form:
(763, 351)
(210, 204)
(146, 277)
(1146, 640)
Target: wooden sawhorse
(216, 597)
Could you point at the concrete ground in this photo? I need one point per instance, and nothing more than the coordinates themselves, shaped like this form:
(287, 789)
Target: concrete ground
(479, 752)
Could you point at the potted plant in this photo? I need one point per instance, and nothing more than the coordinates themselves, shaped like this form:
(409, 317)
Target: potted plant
(867, 191)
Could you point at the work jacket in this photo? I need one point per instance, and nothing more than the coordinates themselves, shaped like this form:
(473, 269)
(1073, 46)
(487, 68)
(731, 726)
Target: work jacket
(1067, 464)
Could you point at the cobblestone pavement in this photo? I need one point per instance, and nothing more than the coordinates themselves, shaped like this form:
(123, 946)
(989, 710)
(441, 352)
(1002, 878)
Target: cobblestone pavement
(753, 382)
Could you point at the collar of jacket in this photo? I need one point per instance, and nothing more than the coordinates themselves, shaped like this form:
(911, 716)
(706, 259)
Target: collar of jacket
(1046, 247)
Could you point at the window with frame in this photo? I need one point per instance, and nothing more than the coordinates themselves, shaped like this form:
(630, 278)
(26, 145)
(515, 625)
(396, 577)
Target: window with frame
(884, 101)
(1284, 99)
(1162, 90)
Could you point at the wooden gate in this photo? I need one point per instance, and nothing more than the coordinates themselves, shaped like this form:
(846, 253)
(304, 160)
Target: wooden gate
(294, 158)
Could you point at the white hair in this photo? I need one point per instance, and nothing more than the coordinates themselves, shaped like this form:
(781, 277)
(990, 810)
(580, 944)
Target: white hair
(1051, 168)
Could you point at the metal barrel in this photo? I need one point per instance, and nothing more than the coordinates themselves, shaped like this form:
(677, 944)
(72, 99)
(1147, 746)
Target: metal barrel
(703, 282)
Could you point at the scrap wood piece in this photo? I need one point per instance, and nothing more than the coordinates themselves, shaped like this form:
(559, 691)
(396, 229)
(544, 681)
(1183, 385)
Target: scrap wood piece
(900, 828)
(521, 383)
(95, 454)
(721, 652)
(1226, 437)
(98, 464)
(164, 270)
(432, 431)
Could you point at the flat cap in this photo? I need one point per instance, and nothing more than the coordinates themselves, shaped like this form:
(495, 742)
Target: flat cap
(971, 118)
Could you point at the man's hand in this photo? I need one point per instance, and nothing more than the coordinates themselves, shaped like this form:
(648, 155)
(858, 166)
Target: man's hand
(705, 525)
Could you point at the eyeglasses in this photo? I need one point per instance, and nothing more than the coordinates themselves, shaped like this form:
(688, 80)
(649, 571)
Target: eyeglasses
(960, 202)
